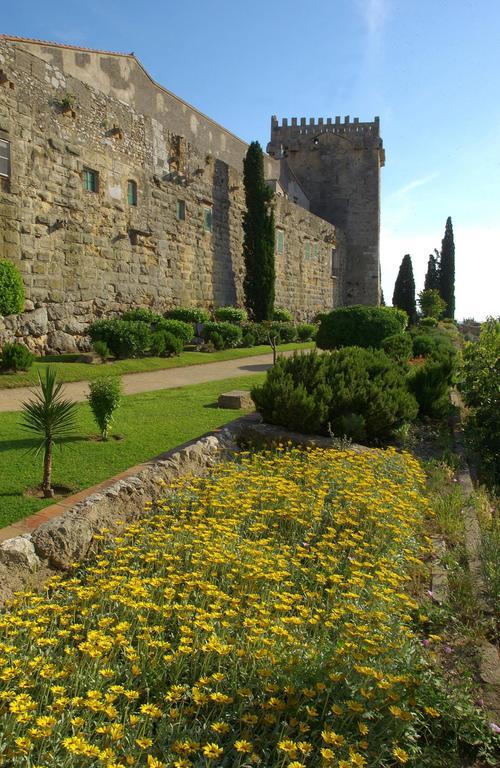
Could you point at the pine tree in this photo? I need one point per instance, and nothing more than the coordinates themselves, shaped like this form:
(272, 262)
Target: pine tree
(432, 276)
(447, 269)
(258, 240)
(404, 290)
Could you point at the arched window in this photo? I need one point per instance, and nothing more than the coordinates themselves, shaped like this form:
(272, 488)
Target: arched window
(132, 192)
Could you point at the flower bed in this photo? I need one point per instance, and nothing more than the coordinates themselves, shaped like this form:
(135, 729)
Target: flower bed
(257, 617)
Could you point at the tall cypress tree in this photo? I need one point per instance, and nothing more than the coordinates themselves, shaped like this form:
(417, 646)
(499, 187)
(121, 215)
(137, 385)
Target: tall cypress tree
(432, 276)
(404, 290)
(258, 237)
(447, 269)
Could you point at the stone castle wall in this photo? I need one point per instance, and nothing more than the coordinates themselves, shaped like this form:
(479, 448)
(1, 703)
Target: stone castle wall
(85, 254)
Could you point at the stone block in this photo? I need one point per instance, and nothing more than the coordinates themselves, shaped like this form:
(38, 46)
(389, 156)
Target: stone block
(236, 399)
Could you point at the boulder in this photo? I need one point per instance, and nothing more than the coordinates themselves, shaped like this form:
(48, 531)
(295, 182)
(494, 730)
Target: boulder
(63, 540)
(60, 342)
(19, 552)
(36, 322)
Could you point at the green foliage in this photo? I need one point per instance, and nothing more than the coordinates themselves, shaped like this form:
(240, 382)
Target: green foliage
(188, 314)
(11, 289)
(102, 350)
(480, 376)
(398, 347)
(51, 418)
(306, 331)
(430, 383)
(231, 314)
(230, 333)
(165, 343)
(357, 392)
(432, 275)
(104, 398)
(447, 269)
(259, 331)
(216, 340)
(423, 345)
(15, 357)
(282, 315)
(125, 338)
(258, 237)
(248, 339)
(359, 326)
(179, 328)
(425, 323)
(431, 304)
(404, 290)
(145, 315)
(286, 333)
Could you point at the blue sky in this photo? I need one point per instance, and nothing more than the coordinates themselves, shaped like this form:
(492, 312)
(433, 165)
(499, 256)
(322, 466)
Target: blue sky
(429, 68)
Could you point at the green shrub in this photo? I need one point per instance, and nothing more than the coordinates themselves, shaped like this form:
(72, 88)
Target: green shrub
(16, 357)
(431, 304)
(427, 322)
(143, 314)
(179, 328)
(398, 347)
(102, 350)
(286, 332)
(165, 343)
(259, 331)
(230, 333)
(231, 314)
(423, 345)
(11, 289)
(125, 338)
(306, 331)
(430, 384)
(359, 393)
(188, 314)
(216, 340)
(104, 398)
(248, 339)
(282, 315)
(359, 326)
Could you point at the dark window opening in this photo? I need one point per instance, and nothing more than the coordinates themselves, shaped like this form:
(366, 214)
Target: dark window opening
(5, 158)
(181, 210)
(132, 192)
(207, 219)
(90, 180)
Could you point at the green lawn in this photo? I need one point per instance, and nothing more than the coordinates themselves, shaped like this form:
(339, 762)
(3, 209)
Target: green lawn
(152, 422)
(69, 370)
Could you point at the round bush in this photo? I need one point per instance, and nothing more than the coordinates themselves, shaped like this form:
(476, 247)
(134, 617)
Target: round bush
(188, 314)
(104, 398)
(287, 332)
(231, 314)
(359, 326)
(430, 385)
(102, 350)
(165, 343)
(145, 315)
(282, 315)
(259, 331)
(216, 340)
(306, 331)
(11, 289)
(16, 357)
(399, 347)
(179, 328)
(427, 322)
(248, 339)
(423, 345)
(230, 333)
(125, 338)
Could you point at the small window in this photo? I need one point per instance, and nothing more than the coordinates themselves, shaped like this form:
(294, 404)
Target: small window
(307, 249)
(181, 210)
(90, 180)
(132, 192)
(4, 158)
(207, 219)
(315, 250)
(335, 263)
(280, 241)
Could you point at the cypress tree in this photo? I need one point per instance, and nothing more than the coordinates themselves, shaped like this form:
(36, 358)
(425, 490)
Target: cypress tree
(258, 237)
(404, 290)
(447, 269)
(432, 276)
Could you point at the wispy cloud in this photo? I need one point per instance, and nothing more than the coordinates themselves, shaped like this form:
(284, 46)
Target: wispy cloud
(414, 185)
(374, 14)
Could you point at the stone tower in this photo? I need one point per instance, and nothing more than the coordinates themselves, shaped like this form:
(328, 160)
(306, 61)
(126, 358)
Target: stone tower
(338, 166)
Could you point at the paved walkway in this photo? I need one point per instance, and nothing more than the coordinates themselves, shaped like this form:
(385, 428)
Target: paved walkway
(11, 399)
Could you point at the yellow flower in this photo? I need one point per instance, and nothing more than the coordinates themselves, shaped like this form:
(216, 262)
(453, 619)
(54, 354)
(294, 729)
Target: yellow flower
(332, 738)
(212, 751)
(154, 763)
(401, 755)
(144, 742)
(243, 746)
(151, 710)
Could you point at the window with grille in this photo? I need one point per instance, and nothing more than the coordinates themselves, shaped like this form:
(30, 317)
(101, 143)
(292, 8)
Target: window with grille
(307, 249)
(280, 241)
(90, 180)
(207, 219)
(4, 158)
(132, 192)
(181, 210)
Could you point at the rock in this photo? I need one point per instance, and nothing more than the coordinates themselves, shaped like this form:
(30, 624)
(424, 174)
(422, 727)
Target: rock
(489, 664)
(28, 305)
(60, 342)
(36, 322)
(63, 540)
(19, 551)
(74, 327)
(236, 399)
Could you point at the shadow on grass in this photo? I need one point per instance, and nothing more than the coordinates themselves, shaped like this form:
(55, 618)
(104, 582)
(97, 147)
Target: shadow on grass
(29, 443)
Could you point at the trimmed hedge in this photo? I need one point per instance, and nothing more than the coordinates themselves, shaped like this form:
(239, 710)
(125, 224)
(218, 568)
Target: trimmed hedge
(188, 314)
(430, 385)
(355, 392)
(16, 357)
(166, 344)
(398, 347)
(11, 289)
(143, 314)
(306, 331)
(230, 333)
(359, 326)
(179, 328)
(125, 338)
(282, 315)
(231, 314)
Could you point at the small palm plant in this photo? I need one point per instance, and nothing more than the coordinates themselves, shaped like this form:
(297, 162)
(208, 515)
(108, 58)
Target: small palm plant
(50, 417)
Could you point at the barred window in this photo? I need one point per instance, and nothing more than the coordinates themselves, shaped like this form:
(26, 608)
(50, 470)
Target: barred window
(207, 219)
(307, 249)
(132, 192)
(4, 158)
(280, 241)
(90, 180)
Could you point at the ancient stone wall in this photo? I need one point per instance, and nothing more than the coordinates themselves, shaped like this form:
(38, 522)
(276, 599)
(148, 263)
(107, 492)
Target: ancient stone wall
(338, 166)
(84, 253)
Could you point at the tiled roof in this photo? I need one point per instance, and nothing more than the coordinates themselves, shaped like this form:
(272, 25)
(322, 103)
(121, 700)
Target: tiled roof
(15, 38)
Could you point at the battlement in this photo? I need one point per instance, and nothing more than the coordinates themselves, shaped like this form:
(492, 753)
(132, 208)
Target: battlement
(314, 126)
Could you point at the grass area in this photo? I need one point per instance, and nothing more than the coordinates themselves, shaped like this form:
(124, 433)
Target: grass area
(151, 423)
(68, 369)
(258, 616)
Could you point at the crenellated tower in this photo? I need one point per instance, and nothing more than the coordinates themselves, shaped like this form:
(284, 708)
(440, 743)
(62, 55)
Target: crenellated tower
(338, 163)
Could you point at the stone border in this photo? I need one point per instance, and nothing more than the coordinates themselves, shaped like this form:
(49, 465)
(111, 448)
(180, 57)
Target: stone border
(28, 560)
